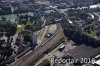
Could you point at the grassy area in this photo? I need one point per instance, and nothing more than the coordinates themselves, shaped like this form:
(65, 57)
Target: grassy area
(19, 29)
(93, 33)
(30, 23)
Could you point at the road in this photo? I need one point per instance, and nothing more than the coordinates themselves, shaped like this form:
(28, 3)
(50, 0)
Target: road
(32, 56)
(55, 52)
(42, 34)
(47, 56)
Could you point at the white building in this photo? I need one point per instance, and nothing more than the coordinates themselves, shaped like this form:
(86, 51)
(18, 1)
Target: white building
(95, 6)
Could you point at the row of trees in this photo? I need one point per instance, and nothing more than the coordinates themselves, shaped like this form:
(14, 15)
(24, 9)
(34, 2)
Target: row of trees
(25, 18)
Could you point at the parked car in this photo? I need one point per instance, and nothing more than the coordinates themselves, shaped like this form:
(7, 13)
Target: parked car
(61, 48)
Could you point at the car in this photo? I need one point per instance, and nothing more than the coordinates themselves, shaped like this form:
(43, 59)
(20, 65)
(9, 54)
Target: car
(61, 48)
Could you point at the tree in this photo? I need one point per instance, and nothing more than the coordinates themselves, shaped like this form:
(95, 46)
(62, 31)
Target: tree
(7, 26)
(3, 18)
(27, 37)
(25, 16)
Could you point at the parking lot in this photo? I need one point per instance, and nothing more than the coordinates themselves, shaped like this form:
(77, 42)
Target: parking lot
(68, 46)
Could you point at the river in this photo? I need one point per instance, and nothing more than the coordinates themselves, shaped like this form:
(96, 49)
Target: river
(12, 17)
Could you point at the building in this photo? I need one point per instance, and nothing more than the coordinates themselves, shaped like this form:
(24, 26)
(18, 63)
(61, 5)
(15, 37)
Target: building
(83, 51)
(34, 40)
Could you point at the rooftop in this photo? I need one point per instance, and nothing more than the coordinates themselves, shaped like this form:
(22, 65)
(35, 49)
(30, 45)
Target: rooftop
(84, 51)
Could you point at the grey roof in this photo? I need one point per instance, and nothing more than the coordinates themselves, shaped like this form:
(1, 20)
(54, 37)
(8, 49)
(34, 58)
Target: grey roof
(83, 51)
